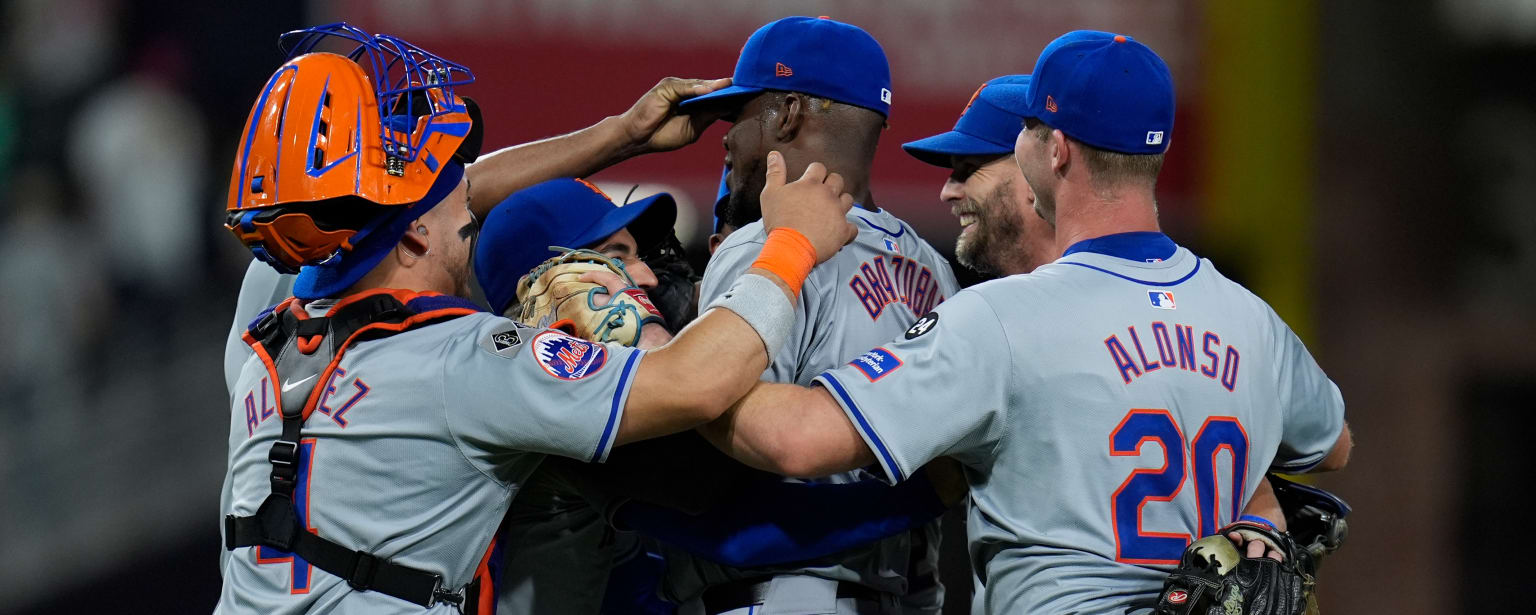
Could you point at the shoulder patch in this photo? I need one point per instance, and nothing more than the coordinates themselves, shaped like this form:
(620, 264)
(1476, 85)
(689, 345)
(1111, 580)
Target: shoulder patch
(877, 363)
(566, 357)
(923, 325)
(506, 339)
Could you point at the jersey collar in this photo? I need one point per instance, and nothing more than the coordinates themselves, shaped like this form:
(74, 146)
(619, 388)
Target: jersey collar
(1139, 246)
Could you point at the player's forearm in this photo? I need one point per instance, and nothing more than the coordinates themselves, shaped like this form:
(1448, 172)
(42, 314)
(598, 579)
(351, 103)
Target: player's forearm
(1265, 504)
(496, 176)
(693, 378)
(791, 430)
(1339, 456)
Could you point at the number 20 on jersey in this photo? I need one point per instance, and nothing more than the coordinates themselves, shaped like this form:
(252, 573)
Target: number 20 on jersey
(1134, 545)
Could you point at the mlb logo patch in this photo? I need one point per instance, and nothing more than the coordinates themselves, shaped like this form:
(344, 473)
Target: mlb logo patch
(877, 363)
(890, 244)
(1154, 137)
(1161, 299)
(885, 96)
(566, 357)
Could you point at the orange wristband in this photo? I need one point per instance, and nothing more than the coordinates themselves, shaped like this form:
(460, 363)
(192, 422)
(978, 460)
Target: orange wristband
(789, 255)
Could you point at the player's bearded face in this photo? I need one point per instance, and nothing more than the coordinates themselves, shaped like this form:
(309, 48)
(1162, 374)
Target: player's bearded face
(991, 231)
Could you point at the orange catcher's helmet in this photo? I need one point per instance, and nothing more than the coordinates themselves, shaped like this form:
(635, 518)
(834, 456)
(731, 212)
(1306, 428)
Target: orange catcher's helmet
(335, 142)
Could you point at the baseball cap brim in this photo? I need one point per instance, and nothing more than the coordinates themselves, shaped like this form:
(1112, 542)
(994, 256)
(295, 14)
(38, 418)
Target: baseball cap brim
(729, 95)
(936, 150)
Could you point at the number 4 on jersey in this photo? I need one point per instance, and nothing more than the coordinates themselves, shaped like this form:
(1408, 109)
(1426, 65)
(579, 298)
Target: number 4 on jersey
(300, 571)
(1133, 545)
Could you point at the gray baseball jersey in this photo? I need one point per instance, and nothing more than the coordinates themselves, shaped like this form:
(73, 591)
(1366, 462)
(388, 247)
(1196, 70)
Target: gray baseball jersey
(262, 288)
(415, 450)
(870, 291)
(1108, 411)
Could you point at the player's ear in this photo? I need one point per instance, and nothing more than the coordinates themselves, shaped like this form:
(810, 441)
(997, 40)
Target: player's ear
(416, 242)
(793, 109)
(1059, 152)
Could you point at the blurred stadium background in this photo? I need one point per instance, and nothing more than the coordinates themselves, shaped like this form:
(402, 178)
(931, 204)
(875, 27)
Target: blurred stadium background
(1367, 167)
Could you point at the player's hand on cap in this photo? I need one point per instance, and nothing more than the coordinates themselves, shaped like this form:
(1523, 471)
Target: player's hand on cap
(815, 205)
(654, 123)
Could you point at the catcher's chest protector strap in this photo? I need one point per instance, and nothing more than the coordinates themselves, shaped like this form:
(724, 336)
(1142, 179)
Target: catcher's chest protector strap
(305, 350)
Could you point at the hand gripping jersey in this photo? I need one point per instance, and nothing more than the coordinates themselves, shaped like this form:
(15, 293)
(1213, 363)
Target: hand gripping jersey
(1110, 407)
(869, 292)
(410, 449)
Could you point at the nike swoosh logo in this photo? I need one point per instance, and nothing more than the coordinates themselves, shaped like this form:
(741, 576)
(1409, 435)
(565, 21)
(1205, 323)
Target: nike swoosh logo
(289, 386)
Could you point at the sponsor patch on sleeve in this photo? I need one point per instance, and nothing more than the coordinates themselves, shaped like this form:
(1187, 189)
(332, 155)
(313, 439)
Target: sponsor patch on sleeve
(877, 363)
(566, 357)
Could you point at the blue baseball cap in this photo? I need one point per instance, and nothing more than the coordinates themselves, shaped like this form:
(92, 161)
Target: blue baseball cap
(566, 212)
(815, 55)
(983, 128)
(1101, 88)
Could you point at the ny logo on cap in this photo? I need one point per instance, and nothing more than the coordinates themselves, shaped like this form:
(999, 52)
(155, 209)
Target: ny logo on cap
(972, 101)
(780, 70)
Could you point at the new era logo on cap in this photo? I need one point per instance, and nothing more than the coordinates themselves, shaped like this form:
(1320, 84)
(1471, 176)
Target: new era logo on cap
(780, 70)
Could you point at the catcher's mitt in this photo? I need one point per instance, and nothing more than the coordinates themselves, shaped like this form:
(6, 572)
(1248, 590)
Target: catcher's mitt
(552, 295)
(1214, 579)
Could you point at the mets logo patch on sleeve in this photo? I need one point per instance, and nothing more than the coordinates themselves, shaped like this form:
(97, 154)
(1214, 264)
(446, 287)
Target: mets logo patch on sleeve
(566, 357)
(877, 363)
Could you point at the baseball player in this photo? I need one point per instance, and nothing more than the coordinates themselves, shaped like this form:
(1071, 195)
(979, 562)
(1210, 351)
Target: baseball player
(1000, 234)
(349, 380)
(559, 545)
(1110, 406)
(819, 89)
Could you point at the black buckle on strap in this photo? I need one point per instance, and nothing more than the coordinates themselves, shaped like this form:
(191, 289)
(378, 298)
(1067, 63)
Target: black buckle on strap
(442, 595)
(363, 567)
(284, 453)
